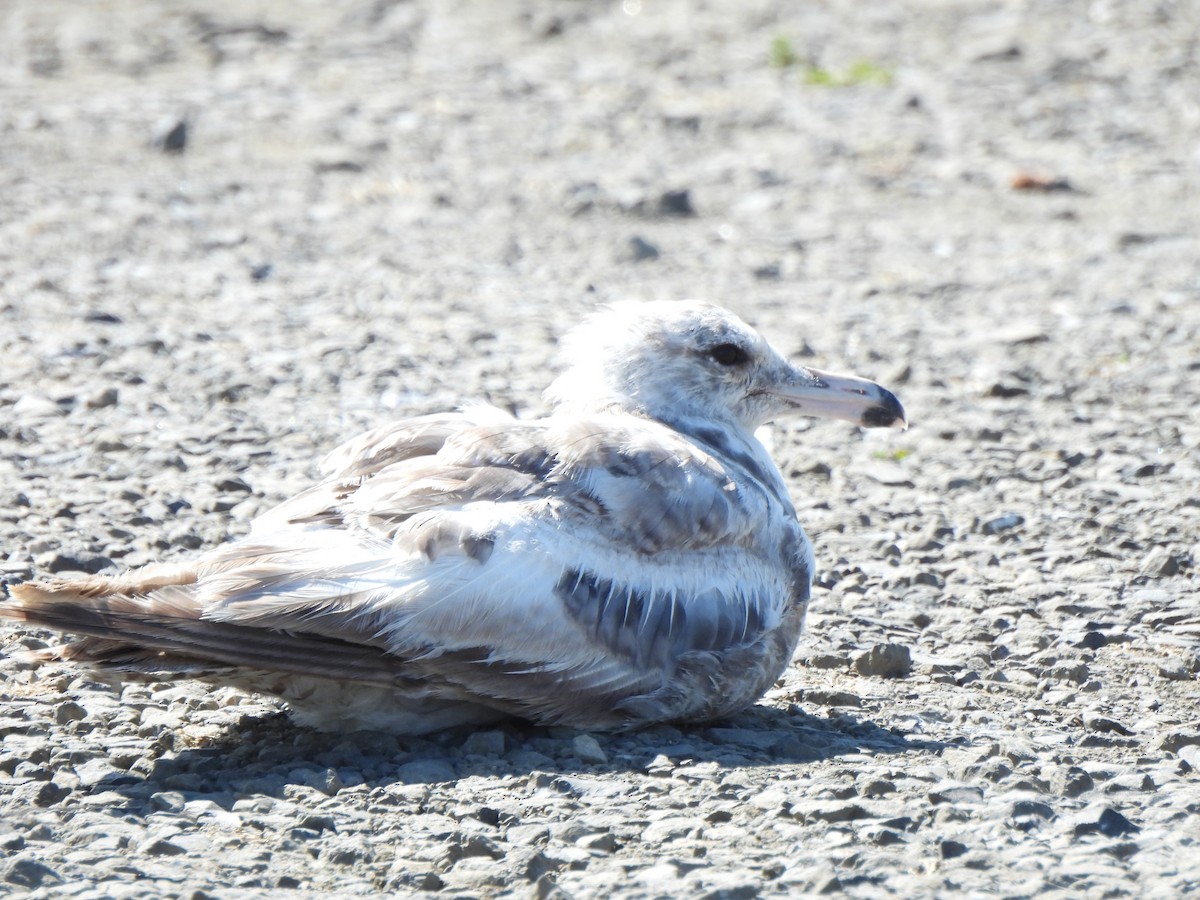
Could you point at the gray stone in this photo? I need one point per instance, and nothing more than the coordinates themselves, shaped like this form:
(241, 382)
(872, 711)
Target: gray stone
(588, 749)
(98, 771)
(1104, 820)
(327, 781)
(1072, 782)
(103, 398)
(955, 793)
(485, 743)
(26, 872)
(426, 771)
(160, 847)
(877, 787)
(667, 829)
(1000, 524)
(884, 661)
(546, 888)
(1031, 808)
(69, 711)
(1160, 563)
(1175, 741)
(824, 811)
(605, 842)
(41, 793)
(1103, 724)
(526, 834)
(32, 406)
(639, 249)
(952, 849)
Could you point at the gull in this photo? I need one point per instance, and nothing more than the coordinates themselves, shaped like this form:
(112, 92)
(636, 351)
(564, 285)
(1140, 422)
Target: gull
(631, 558)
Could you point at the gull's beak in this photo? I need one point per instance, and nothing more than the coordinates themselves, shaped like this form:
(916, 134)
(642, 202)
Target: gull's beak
(812, 392)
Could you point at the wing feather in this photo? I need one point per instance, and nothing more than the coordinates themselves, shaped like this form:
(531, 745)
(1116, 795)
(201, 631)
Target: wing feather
(491, 556)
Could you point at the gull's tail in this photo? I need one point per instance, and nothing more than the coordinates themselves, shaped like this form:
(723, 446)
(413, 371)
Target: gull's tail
(151, 622)
(151, 626)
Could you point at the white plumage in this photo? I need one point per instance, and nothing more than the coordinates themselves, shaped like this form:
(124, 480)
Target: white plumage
(631, 558)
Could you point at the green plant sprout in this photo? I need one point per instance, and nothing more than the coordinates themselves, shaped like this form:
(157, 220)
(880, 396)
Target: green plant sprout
(861, 72)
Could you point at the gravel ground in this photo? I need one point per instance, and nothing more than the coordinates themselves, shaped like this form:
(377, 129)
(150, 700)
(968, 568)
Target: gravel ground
(232, 233)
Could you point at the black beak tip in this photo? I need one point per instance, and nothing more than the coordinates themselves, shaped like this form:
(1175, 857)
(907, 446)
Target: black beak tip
(886, 413)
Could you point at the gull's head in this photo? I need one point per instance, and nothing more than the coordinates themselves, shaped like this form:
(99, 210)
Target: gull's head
(680, 361)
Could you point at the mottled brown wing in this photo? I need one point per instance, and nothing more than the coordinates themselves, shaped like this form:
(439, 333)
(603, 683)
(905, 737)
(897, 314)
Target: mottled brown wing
(547, 567)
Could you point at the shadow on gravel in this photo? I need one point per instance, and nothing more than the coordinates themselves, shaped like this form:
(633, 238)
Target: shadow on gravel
(267, 755)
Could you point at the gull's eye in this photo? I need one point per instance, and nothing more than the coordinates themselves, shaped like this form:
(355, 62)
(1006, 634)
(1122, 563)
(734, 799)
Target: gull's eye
(729, 355)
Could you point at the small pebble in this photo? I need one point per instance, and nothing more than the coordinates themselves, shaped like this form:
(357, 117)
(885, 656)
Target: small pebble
(884, 661)
(638, 250)
(588, 749)
(485, 743)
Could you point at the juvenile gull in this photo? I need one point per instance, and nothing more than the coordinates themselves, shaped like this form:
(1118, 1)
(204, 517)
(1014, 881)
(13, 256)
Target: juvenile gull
(631, 558)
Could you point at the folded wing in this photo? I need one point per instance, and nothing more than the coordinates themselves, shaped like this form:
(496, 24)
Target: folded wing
(562, 570)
